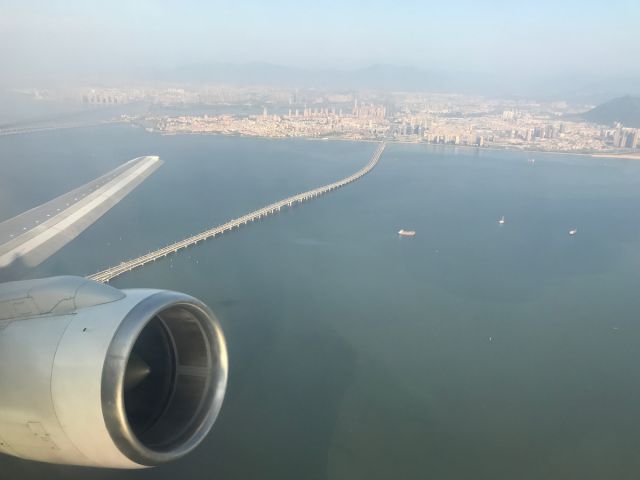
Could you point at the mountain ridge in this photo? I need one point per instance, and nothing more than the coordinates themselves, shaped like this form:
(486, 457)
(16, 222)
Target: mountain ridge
(625, 109)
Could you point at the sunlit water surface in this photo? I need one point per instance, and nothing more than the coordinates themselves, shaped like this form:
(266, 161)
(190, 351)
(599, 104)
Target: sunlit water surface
(470, 351)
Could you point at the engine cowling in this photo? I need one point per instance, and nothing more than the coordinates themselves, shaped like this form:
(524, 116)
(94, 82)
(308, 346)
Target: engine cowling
(95, 376)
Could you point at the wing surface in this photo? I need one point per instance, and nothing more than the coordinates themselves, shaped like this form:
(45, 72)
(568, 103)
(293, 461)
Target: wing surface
(33, 236)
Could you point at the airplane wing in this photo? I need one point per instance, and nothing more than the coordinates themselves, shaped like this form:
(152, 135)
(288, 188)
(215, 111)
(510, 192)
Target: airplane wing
(108, 378)
(33, 236)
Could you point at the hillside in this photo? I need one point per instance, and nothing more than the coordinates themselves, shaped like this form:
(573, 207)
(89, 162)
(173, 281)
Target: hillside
(625, 110)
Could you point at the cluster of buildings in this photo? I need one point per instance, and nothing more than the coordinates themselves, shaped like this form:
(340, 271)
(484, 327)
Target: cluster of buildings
(213, 95)
(528, 126)
(402, 116)
(366, 110)
(621, 137)
(363, 122)
(506, 128)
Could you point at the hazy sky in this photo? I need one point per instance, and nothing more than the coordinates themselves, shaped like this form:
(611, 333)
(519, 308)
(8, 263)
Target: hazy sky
(49, 39)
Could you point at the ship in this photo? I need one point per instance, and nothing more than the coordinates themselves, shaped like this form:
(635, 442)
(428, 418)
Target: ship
(502, 221)
(573, 231)
(406, 233)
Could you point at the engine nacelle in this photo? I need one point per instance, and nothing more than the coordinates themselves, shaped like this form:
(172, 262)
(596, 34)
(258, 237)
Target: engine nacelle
(95, 376)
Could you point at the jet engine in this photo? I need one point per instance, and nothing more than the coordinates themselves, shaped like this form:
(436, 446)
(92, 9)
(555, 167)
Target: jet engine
(95, 376)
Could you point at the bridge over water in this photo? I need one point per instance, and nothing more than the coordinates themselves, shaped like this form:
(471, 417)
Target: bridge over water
(110, 273)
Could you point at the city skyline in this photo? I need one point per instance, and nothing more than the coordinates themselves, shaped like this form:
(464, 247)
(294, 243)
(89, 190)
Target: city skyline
(407, 117)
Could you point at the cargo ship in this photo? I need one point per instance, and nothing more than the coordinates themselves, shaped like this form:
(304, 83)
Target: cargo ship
(406, 233)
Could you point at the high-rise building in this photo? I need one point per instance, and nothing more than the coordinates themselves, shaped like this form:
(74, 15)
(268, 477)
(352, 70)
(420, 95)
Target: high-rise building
(508, 115)
(550, 131)
(630, 139)
(618, 136)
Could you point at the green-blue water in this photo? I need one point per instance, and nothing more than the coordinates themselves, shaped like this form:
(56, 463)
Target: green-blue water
(471, 351)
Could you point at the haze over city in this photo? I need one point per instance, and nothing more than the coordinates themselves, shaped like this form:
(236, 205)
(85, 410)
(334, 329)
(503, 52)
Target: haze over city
(474, 46)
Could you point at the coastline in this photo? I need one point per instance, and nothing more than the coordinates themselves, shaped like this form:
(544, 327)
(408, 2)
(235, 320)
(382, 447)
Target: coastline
(627, 156)
(621, 156)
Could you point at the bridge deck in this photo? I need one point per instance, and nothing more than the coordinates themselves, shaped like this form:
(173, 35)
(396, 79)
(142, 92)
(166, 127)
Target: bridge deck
(110, 273)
